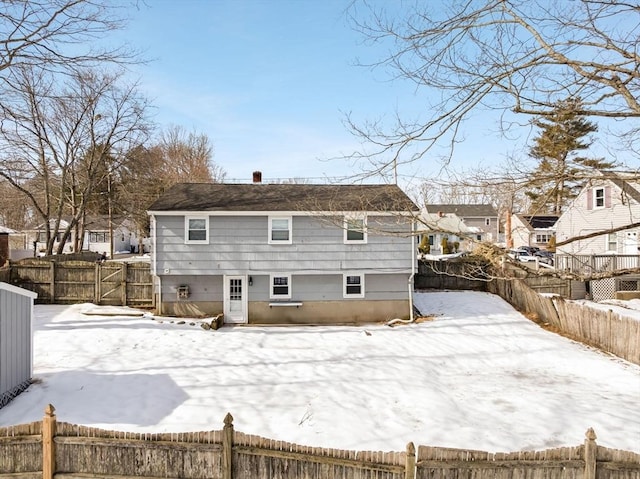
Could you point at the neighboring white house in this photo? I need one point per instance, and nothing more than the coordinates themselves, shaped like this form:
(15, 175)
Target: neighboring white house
(532, 230)
(438, 226)
(482, 217)
(604, 203)
(96, 236)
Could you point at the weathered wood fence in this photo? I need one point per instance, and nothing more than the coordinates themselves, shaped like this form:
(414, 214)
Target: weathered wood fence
(51, 449)
(603, 329)
(108, 283)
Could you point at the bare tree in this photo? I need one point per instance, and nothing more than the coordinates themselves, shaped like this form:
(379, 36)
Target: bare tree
(59, 34)
(58, 141)
(509, 55)
(177, 157)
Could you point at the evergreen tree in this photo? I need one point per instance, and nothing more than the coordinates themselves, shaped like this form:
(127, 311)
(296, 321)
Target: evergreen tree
(563, 136)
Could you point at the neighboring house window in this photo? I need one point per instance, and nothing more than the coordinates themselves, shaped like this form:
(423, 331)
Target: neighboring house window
(280, 286)
(542, 238)
(355, 230)
(431, 240)
(487, 221)
(196, 229)
(96, 237)
(42, 237)
(280, 230)
(598, 197)
(612, 242)
(354, 286)
(478, 237)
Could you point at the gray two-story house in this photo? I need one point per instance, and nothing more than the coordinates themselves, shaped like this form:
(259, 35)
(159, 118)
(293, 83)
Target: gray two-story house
(284, 253)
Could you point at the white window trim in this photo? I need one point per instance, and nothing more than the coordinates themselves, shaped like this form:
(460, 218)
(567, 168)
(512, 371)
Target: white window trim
(607, 242)
(290, 222)
(344, 285)
(348, 218)
(186, 229)
(595, 198)
(280, 296)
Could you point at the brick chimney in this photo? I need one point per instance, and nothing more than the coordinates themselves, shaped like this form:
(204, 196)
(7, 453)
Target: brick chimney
(257, 176)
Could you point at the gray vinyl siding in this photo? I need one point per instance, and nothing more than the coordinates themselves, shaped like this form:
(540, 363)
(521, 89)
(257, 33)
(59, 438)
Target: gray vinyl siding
(303, 287)
(239, 245)
(15, 342)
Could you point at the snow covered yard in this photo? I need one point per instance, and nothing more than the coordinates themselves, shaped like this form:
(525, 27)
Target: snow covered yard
(478, 376)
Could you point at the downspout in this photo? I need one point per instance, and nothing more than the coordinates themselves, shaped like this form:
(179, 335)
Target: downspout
(411, 319)
(154, 254)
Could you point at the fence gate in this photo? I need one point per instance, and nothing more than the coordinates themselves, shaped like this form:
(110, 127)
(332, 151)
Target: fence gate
(111, 284)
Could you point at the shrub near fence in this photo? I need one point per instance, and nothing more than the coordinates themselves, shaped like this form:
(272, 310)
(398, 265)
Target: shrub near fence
(48, 449)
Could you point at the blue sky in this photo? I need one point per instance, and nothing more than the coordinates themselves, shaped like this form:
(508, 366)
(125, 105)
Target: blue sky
(270, 83)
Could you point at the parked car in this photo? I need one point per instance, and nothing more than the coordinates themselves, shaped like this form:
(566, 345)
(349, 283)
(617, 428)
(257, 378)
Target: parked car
(521, 255)
(544, 256)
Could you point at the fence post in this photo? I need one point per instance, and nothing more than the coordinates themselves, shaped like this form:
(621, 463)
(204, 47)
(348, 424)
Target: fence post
(590, 454)
(227, 447)
(96, 287)
(410, 464)
(124, 274)
(48, 446)
(52, 285)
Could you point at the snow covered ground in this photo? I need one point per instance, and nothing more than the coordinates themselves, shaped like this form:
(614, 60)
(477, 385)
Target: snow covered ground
(478, 376)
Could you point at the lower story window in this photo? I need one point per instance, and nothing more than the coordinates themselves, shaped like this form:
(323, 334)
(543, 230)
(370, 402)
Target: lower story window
(280, 286)
(353, 286)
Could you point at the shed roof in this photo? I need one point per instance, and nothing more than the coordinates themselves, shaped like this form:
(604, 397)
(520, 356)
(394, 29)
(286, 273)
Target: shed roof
(282, 197)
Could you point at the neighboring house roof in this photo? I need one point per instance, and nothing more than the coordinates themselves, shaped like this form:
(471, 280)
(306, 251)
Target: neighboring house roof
(467, 211)
(92, 223)
(538, 222)
(282, 197)
(450, 223)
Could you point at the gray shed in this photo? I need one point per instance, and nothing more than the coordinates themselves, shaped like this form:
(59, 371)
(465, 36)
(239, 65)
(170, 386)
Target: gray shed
(16, 341)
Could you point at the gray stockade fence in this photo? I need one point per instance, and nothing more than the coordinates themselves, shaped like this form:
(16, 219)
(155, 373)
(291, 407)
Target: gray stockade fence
(110, 283)
(48, 449)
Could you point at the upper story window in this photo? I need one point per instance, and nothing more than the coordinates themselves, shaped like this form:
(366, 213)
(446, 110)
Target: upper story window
(543, 238)
(280, 230)
(353, 286)
(196, 229)
(598, 198)
(280, 286)
(355, 229)
(487, 221)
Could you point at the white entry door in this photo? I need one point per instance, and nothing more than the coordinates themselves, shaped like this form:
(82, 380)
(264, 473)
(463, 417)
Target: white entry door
(235, 299)
(631, 243)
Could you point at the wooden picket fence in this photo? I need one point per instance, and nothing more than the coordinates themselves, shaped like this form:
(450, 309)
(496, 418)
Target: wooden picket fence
(108, 283)
(48, 449)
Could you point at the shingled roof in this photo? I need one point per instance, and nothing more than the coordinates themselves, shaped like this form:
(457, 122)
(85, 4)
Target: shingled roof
(464, 211)
(282, 197)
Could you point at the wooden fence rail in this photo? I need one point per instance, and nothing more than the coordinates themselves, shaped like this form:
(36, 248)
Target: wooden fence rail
(109, 283)
(48, 449)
